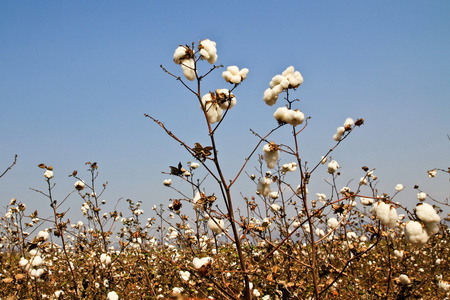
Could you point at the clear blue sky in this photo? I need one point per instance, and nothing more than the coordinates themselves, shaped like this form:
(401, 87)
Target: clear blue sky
(76, 78)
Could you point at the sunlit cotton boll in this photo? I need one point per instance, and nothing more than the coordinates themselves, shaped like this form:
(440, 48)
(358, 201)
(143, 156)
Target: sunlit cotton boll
(43, 235)
(270, 97)
(386, 213)
(234, 75)
(332, 223)
(426, 213)
(213, 111)
(188, 67)
(292, 117)
(339, 133)
(275, 207)
(194, 165)
(216, 225)
(199, 262)
(79, 185)
(105, 259)
(399, 187)
(185, 275)
(112, 296)
(48, 174)
(421, 196)
(167, 182)
(271, 154)
(208, 50)
(225, 99)
(415, 234)
(181, 53)
(366, 201)
(332, 167)
(404, 280)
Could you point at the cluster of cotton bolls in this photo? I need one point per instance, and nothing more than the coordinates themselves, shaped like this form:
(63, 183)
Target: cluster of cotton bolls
(342, 129)
(289, 79)
(418, 232)
(386, 213)
(271, 154)
(215, 103)
(284, 115)
(33, 265)
(234, 75)
(200, 262)
(185, 57)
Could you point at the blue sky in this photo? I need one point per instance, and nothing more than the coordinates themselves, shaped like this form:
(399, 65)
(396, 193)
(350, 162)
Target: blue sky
(77, 77)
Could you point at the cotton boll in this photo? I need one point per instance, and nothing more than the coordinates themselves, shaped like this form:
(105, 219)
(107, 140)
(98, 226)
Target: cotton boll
(332, 167)
(386, 213)
(289, 70)
(284, 83)
(298, 118)
(332, 223)
(398, 253)
(200, 262)
(263, 187)
(225, 99)
(180, 53)
(278, 89)
(399, 187)
(270, 97)
(426, 213)
(274, 195)
(276, 80)
(233, 70)
(243, 73)
(319, 232)
(415, 234)
(431, 228)
(348, 123)
(366, 201)
(404, 280)
(236, 79)
(188, 67)
(275, 207)
(216, 225)
(299, 78)
(227, 75)
(271, 154)
(209, 52)
(421, 196)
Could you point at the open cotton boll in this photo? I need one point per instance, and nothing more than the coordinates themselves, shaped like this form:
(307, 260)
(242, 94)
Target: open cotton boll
(276, 80)
(348, 123)
(281, 114)
(366, 201)
(431, 228)
(208, 50)
(270, 97)
(181, 53)
(332, 167)
(289, 70)
(332, 223)
(271, 154)
(188, 67)
(297, 118)
(415, 234)
(386, 213)
(263, 187)
(404, 280)
(426, 213)
(243, 73)
(227, 75)
(200, 262)
(399, 187)
(422, 196)
(278, 89)
(216, 225)
(233, 70)
(225, 99)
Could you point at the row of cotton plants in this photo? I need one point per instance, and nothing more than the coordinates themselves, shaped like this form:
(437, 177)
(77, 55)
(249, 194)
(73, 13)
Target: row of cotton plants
(277, 240)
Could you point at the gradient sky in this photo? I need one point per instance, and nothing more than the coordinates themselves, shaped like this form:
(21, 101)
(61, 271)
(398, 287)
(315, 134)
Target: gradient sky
(76, 78)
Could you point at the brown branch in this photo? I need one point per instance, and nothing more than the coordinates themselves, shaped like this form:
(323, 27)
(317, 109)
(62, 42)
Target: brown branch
(10, 167)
